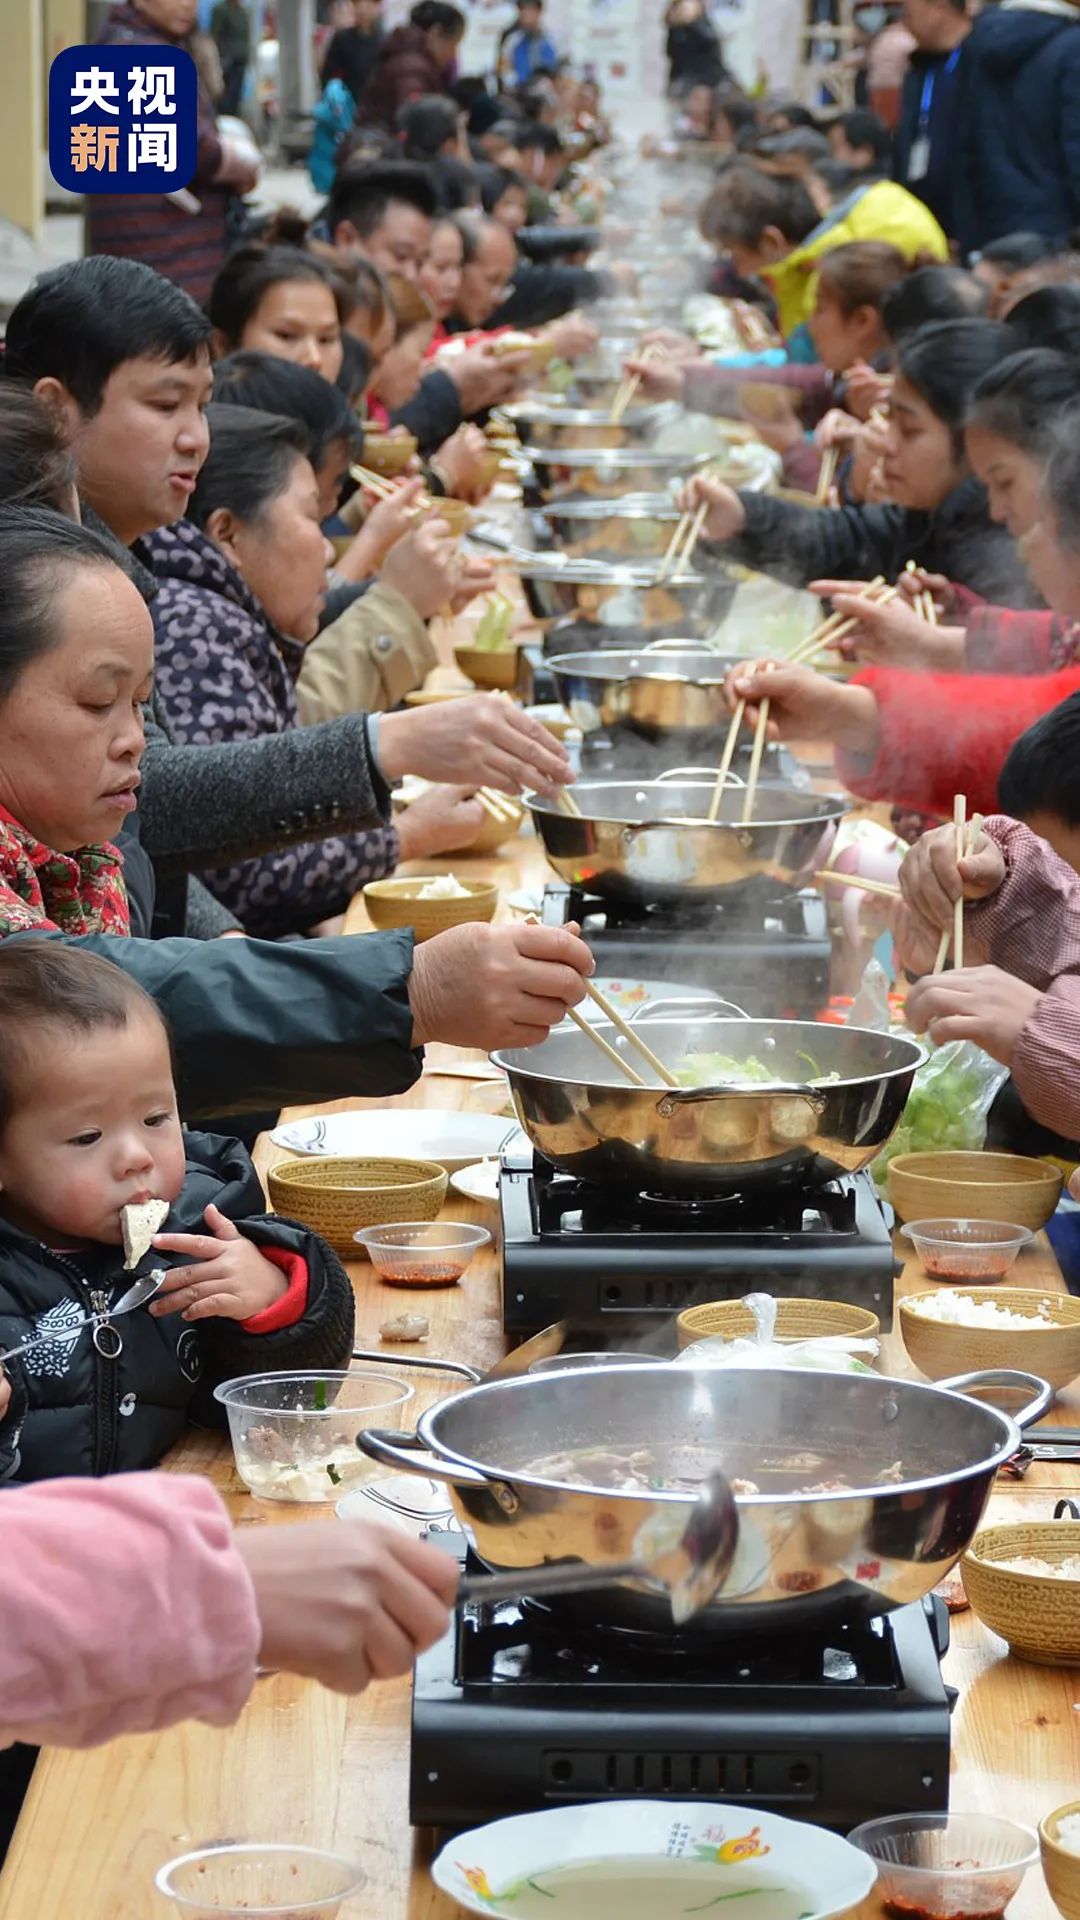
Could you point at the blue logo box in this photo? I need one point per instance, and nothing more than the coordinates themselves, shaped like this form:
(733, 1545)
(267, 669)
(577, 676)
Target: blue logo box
(123, 119)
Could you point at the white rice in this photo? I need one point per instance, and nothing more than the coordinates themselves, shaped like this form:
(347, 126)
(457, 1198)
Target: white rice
(960, 1310)
(1067, 1569)
(1068, 1832)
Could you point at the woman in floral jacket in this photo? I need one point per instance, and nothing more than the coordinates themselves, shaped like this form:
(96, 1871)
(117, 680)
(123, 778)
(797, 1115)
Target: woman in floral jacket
(241, 583)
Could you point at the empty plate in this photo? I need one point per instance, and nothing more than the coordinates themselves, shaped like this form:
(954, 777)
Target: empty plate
(455, 1140)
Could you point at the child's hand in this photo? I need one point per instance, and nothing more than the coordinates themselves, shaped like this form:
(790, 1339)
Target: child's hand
(932, 879)
(233, 1282)
(981, 1004)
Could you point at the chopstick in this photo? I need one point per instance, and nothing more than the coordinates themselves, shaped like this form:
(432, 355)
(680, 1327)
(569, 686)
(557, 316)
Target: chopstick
(598, 1040)
(827, 474)
(966, 837)
(827, 629)
(630, 1034)
(385, 489)
(882, 887)
(725, 760)
(629, 386)
(567, 804)
(755, 757)
(928, 609)
(688, 531)
(498, 805)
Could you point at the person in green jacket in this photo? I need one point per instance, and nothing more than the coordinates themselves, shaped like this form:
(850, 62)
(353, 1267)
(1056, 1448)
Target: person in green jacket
(230, 25)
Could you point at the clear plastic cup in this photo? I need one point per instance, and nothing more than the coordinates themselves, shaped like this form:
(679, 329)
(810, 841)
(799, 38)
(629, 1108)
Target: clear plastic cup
(975, 1252)
(961, 1866)
(243, 1880)
(294, 1434)
(422, 1253)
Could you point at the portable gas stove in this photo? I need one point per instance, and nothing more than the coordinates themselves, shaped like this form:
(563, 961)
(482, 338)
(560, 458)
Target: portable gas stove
(766, 948)
(521, 1707)
(605, 1261)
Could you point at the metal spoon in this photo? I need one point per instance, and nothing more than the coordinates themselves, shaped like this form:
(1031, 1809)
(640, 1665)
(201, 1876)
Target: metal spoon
(692, 1565)
(136, 1296)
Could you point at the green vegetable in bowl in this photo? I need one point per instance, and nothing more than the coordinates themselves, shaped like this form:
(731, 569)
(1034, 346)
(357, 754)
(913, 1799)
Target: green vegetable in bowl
(493, 632)
(724, 1070)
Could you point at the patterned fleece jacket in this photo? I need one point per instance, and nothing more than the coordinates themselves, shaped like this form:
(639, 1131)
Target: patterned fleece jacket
(223, 673)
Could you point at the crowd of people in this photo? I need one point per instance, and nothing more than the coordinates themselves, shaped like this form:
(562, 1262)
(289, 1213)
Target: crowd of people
(209, 626)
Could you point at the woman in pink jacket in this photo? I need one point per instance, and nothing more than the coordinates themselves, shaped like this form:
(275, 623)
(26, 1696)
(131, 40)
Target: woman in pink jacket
(127, 1605)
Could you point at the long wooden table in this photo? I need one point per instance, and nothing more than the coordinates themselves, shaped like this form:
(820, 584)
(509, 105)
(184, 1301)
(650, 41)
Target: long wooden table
(307, 1765)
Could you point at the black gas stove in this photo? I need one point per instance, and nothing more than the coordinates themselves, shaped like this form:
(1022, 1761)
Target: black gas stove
(764, 947)
(521, 1707)
(625, 1263)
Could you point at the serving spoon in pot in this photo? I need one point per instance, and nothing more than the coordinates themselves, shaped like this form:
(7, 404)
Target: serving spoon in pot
(691, 1559)
(136, 1296)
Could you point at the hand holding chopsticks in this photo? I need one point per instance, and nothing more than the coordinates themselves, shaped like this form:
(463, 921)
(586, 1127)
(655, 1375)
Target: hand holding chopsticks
(967, 832)
(630, 384)
(629, 1033)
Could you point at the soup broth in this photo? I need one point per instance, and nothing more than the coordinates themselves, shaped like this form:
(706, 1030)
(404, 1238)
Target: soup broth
(654, 1889)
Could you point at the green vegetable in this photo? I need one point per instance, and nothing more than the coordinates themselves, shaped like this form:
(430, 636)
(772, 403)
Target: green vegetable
(724, 1070)
(320, 1396)
(332, 1474)
(493, 632)
(946, 1108)
(560, 376)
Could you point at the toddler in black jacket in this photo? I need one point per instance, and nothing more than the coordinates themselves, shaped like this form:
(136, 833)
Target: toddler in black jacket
(88, 1126)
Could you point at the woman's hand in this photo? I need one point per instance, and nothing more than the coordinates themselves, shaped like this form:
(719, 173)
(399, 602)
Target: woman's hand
(425, 568)
(660, 379)
(865, 476)
(486, 741)
(480, 986)
(933, 879)
(804, 705)
(726, 516)
(460, 462)
(387, 521)
(981, 1004)
(835, 429)
(893, 634)
(232, 1281)
(573, 335)
(866, 389)
(346, 1604)
(439, 822)
(916, 581)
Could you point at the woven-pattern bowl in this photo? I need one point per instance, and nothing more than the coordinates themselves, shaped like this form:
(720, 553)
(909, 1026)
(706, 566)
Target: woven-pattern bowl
(338, 1196)
(496, 668)
(795, 1320)
(1060, 1865)
(974, 1186)
(395, 903)
(388, 454)
(1050, 1347)
(1037, 1614)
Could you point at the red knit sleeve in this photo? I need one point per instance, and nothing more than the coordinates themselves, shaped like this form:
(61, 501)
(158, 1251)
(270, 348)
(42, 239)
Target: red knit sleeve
(1002, 641)
(940, 733)
(292, 1305)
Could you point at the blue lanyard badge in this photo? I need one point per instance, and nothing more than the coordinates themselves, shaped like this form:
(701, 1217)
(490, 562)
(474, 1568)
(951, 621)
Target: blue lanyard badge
(919, 157)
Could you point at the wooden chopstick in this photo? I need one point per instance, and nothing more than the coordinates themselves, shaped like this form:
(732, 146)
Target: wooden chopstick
(598, 1040)
(565, 800)
(883, 887)
(750, 790)
(498, 805)
(688, 530)
(630, 1034)
(725, 761)
(826, 475)
(826, 628)
(956, 933)
(928, 609)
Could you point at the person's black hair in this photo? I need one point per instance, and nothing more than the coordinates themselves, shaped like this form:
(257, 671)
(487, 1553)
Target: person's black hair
(792, 111)
(468, 88)
(79, 322)
(362, 193)
(507, 129)
(37, 468)
(425, 125)
(281, 387)
(864, 129)
(945, 361)
(354, 373)
(495, 181)
(474, 229)
(1048, 317)
(744, 201)
(532, 99)
(39, 551)
(533, 135)
(485, 114)
(1015, 251)
(800, 142)
(738, 111)
(251, 461)
(1041, 774)
(248, 275)
(440, 16)
(455, 183)
(933, 293)
(44, 984)
(1023, 398)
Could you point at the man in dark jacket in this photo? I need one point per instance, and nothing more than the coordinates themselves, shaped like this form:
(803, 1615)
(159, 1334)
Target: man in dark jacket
(1018, 111)
(413, 60)
(353, 51)
(926, 136)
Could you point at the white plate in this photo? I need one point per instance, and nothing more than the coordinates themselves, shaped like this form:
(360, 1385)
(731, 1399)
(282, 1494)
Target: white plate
(479, 1183)
(413, 1133)
(510, 1869)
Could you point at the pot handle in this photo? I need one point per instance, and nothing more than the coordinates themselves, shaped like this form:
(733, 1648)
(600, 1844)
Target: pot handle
(1041, 1392)
(399, 1450)
(662, 1008)
(680, 773)
(1067, 1510)
(410, 1361)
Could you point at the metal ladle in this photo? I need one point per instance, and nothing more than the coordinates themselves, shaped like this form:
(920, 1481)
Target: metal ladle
(692, 1564)
(136, 1296)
